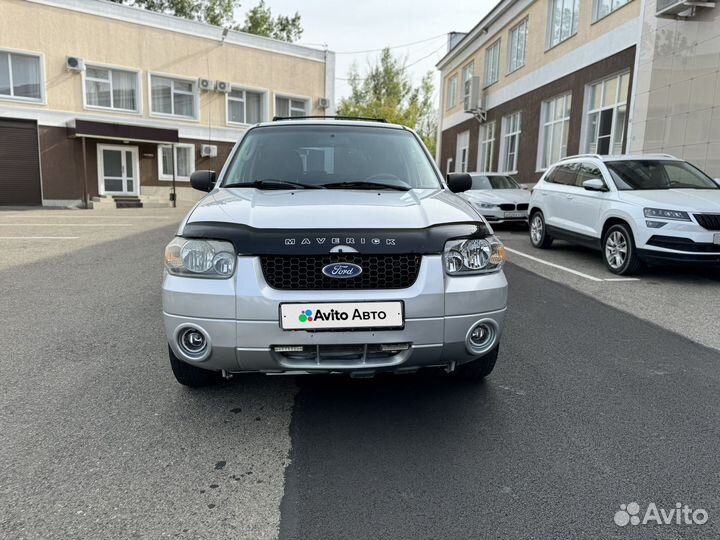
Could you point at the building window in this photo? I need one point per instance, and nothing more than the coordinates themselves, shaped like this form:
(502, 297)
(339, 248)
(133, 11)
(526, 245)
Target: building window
(245, 106)
(461, 153)
(564, 16)
(486, 147)
(111, 88)
(184, 157)
(492, 63)
(606, 116)
(510, 142)
(176, 97)
(290, 107)
(517, 46)
(468, 72)
(452, 92)
(601, 8)
(20, 76)
(555, 119)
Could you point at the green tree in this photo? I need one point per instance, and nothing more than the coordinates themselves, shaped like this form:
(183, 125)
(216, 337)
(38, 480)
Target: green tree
(386, 91)
(260, 21)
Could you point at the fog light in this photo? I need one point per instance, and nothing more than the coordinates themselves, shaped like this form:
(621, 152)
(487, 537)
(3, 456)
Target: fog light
(479, 335)
(193, 343)
(482, 337)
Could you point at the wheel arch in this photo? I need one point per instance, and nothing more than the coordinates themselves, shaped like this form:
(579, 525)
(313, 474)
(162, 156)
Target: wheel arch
(616, 220)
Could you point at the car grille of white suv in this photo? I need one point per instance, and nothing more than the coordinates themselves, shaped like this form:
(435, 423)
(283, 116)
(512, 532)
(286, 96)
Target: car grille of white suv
(711, 222)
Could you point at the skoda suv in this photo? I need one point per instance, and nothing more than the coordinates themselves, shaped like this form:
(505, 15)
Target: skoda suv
(635, 209)
(329, 246)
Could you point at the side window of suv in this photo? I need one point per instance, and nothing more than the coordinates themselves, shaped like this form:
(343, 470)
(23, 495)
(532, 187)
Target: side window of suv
(588, 171)
(566, 174)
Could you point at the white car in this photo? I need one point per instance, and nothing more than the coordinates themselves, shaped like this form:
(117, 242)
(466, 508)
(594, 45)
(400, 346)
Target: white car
(498, 198)
(635, 209)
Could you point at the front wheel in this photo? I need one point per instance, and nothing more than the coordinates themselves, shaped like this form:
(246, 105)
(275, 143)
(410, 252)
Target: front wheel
(619, 251)
(477, 370)
(191, 376)
(539, 237)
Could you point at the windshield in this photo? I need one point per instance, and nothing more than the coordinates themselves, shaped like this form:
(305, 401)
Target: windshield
(333, 156)
(657, 174)
(494, 182)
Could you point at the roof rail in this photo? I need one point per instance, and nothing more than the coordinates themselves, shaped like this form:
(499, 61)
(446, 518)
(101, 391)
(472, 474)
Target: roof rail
(598, 156)
(361, 118)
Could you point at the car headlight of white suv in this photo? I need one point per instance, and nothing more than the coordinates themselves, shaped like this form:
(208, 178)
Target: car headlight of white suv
(212, 259)
(473, 256)
(659, 213)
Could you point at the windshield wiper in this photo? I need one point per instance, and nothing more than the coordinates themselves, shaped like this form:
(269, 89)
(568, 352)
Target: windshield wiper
(364, 184)
(271, 183)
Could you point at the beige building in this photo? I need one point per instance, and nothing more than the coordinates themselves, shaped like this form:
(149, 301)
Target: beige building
(98, 98)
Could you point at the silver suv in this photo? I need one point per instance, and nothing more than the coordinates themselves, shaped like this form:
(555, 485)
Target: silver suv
(332, 246)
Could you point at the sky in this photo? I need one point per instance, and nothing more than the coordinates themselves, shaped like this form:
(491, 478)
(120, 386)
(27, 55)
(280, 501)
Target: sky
(360, 25)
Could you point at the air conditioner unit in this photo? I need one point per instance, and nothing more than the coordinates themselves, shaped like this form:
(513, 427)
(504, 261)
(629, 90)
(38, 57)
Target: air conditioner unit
(323, 103)
(74, 63)
(476, 101)
(208, 150)
(222, 86)
(206, 84)
(673, 8)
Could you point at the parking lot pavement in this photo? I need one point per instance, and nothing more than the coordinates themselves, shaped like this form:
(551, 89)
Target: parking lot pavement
(683, 299)
(33, 234)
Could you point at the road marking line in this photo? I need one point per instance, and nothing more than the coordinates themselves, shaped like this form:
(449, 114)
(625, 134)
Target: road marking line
(39, 237)
(622, 279)
(66, 224)
(586, 276)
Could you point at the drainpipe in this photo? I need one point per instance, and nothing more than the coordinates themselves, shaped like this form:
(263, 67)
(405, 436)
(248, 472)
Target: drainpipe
(85, 178)
(173, 196)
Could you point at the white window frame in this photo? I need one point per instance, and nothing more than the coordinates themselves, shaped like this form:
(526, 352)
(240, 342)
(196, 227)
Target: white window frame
(195, 93)
(505, 135)
(467, 74)
(264, 105)
(614, 6)
(308, 105)
(514, 42)
(563, 124)
(451, 100)
(584, 140)
(574, 24)
(41, 58)
(138, 89)
(449, 165)
(168, 177)
(486, 147)
(461, 152)
(492, 56)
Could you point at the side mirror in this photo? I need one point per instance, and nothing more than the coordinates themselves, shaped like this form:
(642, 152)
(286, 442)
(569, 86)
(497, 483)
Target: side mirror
(459, 182)
(595, 184)
(203, 180)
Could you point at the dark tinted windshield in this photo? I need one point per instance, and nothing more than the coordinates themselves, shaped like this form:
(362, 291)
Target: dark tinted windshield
(320, 155)
(494, 182)
(657, 174)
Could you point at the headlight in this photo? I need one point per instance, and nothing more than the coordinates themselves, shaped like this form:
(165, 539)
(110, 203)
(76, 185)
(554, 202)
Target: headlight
(200, 258)
(473, 256)
(677, 215)
(486, 206)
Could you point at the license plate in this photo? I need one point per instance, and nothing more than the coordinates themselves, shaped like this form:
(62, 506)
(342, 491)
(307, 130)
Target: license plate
(716, 238)
(515, 214)
(350, 315)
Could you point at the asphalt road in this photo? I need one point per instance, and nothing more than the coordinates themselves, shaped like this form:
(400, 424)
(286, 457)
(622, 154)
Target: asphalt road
(588, 408)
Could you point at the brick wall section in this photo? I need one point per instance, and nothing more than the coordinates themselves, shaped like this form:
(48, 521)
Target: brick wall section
(530, 104)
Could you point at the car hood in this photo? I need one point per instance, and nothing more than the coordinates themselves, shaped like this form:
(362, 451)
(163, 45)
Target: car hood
(333, 208)
(497, 196)
(692, 200)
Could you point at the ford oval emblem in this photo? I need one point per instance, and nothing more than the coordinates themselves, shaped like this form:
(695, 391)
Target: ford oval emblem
(342, 270)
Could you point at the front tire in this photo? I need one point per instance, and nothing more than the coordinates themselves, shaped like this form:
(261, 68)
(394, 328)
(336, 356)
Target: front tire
(539, 236)
(477, 370)
(191, 376)
(619, 252)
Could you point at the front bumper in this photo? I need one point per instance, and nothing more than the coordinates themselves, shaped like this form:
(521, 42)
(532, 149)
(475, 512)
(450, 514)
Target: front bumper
(679, 243)
(501, 216)
(240, 318)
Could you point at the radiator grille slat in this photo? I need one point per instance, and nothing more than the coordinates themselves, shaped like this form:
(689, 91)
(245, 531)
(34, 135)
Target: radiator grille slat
(304, 272)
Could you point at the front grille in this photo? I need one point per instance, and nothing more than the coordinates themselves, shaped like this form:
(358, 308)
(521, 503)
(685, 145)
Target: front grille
(304, 272)
(711, 222)
(523, 206)
(507, 207)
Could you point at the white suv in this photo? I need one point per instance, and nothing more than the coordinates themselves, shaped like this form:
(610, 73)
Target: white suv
(635, 209)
